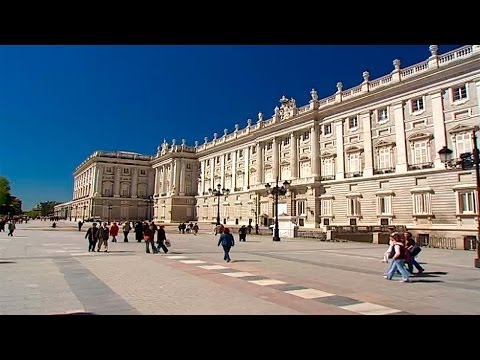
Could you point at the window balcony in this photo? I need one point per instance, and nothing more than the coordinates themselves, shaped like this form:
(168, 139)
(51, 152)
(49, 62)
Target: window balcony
(354, 174)
(427, 165)
(328, 177)
(384, 171)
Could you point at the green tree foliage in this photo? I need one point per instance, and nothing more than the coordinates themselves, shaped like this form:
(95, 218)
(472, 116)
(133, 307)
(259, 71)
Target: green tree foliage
(47, 208)
(4, 192)
(16, 206)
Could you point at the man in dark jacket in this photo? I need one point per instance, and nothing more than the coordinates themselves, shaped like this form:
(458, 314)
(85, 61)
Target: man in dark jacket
(92, 235)
(103, 235)
(227, 241)
(161, 237)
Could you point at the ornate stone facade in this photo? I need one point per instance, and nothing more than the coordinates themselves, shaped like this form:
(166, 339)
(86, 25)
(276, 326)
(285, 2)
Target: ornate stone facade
(362, 156)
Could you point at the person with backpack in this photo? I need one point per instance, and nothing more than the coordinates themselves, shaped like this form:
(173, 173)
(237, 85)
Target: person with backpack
(398, 260)
(413, 250)
(227, 241)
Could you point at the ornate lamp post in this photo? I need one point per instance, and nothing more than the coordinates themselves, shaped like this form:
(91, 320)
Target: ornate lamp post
(218, 193)
(276, 191)
(467, 161)
(150, 203)
(109, 213)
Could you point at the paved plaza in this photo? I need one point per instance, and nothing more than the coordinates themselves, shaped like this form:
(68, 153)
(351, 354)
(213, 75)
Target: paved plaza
(50, 271)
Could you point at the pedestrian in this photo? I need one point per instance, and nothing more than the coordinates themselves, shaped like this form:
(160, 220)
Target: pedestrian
(413, 249)
(227, 241)
(92, 235)
(103, 235)
(114, 231)
(242, 232)
(80, 224)
(11, 228)
(126, 229)
(195, 229)
(149, 237)
(398, 260)
(138, 231)
(389, 254)
(161, 238)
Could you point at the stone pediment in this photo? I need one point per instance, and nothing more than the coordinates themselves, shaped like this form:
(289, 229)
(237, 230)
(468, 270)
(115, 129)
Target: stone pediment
(285, 162)
(253, 169)
(461, 128)
(420, 136)
(267, 166)
(353, 149)
(327, 154)
(304, 157)
(239, 171)
(384, 143)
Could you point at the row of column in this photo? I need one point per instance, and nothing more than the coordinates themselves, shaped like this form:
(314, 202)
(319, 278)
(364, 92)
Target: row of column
(260, 152)
(177, 181)
(98, 180)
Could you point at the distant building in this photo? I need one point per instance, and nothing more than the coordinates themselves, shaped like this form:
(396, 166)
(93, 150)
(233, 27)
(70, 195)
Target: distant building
(363, 156)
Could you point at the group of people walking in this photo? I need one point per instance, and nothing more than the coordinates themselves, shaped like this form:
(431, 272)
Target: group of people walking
(143, 231)
(10, 224)
(402, 251)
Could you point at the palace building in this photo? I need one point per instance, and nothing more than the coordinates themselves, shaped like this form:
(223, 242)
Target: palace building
(364, 156)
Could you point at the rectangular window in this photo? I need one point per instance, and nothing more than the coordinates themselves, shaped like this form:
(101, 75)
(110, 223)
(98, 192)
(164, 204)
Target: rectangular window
(382, 114)
(286, 141)
(459, 93)
(125, 192)
(326, 207)
(352, 122)
(327, 129)
(254, 149)
(306, 135)
(354, 163)
(384, 158)
(417, 104)
(108, 170)
(228, 156)
(384, 205)
(301, 207)
(217, 159)
(467, 201)
(143, 172)
(126, 170)
(420, 152)
(328, 166)
(421, 204)
(240, 153)
(463, 143)
(107, 192)
(353, 206)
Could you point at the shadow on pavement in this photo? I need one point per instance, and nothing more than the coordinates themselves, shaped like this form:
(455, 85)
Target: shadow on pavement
(75, 313)
(426, 281)
(121, 251)
(8, 262)
(246, 260)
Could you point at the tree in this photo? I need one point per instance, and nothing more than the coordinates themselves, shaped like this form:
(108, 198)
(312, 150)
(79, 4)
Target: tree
(47, 208)
(16, 206)
(5, 197)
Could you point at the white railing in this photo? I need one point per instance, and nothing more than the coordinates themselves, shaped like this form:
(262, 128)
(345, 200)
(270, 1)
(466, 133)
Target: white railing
(455, 54)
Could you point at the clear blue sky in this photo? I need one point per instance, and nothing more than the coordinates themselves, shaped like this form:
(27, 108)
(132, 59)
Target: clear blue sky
(58, 104)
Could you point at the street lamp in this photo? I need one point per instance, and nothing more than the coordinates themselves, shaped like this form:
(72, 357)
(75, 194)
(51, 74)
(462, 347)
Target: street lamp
(150, 203)
(84, 208)
(218, 193)
(276, 191)
(466, 161)
(109, 213)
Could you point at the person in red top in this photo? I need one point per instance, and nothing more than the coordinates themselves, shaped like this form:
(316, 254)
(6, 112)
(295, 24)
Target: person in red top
(114, 231)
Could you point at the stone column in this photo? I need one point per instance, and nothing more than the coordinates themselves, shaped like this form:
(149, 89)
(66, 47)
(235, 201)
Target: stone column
(134, 184)
(202, 187)
(222, 170)
(340, 161)
(212, 173)
(259, 163)
(315, 151)
(246, 180)
(98, 180)
(275, 161)
(116, 182)
(293, 156)
(172, 177)
(182, 176)
(367, 144)
(157, 181)
(233, 155)
(177, 175)
(150, 182)
(438, 126)
(402, 159)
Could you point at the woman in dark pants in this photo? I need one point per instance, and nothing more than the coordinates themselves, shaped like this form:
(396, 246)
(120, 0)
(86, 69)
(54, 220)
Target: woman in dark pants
(161, 237)
(227, 241)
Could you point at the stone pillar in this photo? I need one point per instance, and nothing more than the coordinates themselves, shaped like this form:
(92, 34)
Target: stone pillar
(177, 166)
(438, 126)
(212, 173)
(157, 181)
(275, 162)
(150, 182)
(116, 182)
(367, 144)
(182, 176)
(164, 181)
(340, 161)
(293, 156)
(98, 180)
(315, 151)
(222, 170)
(246, 181)
(133, 191)
(402, 159)
(233, 154)
(259, 163)
(172, 177)
(202, 186)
